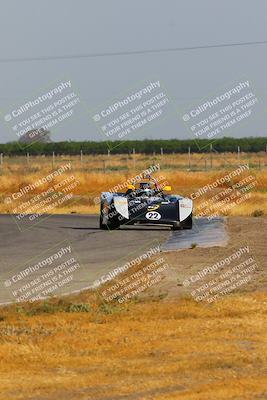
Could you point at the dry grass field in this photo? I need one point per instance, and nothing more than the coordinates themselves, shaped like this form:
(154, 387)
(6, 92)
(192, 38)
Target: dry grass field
(162, 345)
(157, 346)
(81, 348)
(102, 173)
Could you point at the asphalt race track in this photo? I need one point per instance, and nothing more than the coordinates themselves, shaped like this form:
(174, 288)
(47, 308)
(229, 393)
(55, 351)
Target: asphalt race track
(70, 252)
(204, 233)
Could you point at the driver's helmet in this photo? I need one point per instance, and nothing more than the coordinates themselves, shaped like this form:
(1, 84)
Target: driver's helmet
(147, 192)
(145, 186)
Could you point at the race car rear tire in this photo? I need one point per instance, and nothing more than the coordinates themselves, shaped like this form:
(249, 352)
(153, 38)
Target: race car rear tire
(186, 224)
(176, 226)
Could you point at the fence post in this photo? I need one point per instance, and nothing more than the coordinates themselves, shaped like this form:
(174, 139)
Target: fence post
(1, 160)
(161, 151)
(81, 156)
(238, 153)
(211, 160)
(53, 159)
(189, 157)
(28, 158)
(134, 159)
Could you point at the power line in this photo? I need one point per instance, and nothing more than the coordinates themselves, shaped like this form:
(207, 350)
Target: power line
(129, 53)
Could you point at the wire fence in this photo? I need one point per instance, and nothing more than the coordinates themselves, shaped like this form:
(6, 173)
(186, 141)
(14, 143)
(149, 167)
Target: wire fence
(109, 163)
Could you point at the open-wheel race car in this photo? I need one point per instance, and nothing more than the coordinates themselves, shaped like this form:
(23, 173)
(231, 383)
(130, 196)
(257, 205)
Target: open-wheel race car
(148, 203)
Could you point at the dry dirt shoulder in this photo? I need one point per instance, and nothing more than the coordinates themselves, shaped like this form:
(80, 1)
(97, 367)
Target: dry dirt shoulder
(242, 231)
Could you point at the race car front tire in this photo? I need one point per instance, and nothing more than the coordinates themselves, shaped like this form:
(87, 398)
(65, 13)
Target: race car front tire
(110, 224)
(101, 225)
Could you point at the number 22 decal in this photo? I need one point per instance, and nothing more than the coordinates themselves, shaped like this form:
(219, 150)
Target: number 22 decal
(153, 215)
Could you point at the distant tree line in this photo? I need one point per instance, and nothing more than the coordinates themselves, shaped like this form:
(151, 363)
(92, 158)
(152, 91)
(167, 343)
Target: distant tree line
(226, 144)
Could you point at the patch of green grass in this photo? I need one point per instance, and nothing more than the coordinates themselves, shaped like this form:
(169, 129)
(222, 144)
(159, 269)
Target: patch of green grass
(52, 307)
(117, 168)
(76, 308)
(42, 308)
(109, 308)
(257, 213)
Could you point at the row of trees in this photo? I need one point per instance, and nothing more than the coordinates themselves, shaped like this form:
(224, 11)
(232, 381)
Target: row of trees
(226, 144)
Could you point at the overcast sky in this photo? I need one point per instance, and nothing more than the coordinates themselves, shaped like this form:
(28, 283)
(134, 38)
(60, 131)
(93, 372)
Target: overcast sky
(32, 29)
